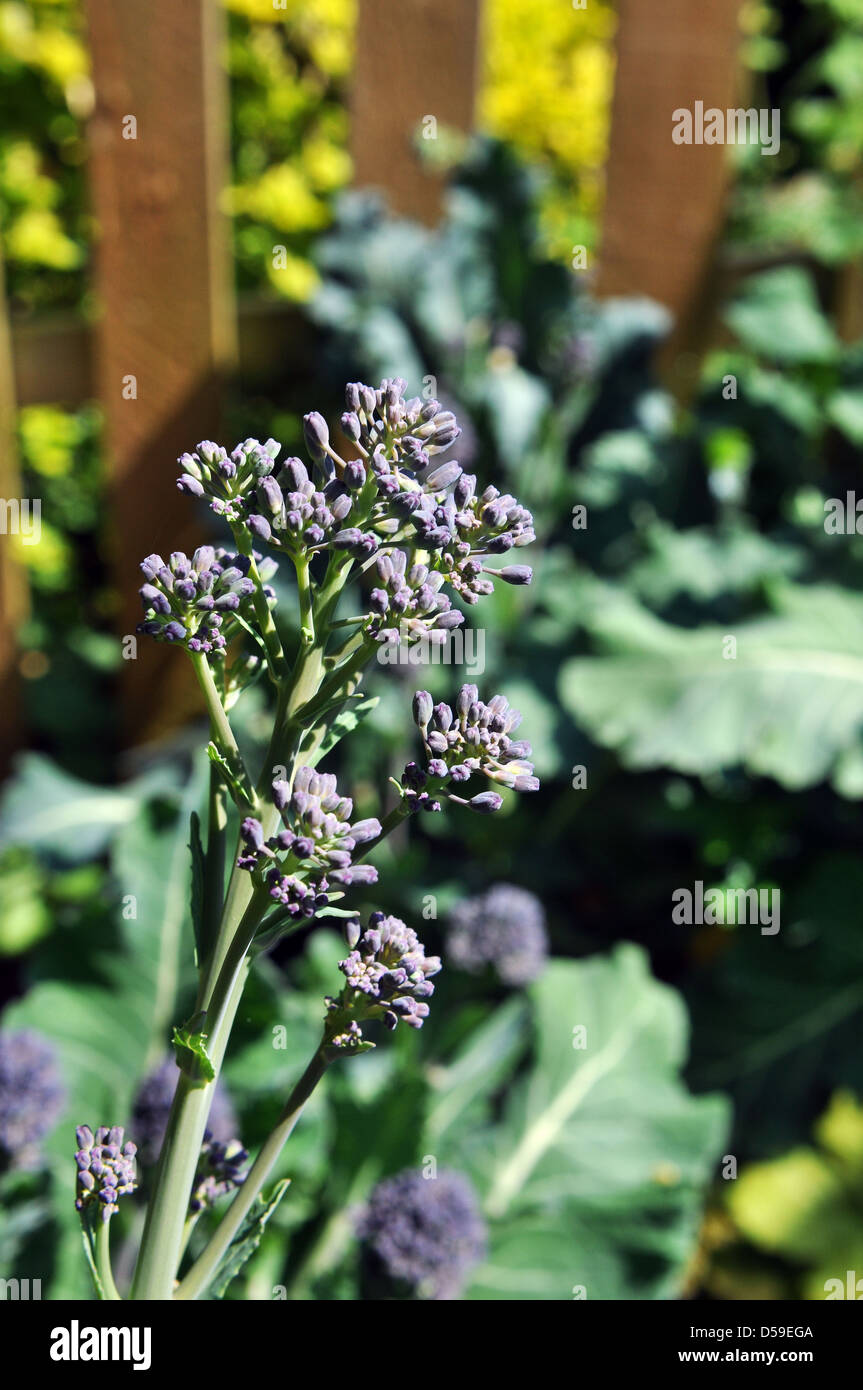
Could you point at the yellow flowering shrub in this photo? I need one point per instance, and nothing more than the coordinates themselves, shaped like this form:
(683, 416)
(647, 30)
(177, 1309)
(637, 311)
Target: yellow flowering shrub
(288, 64)
(546, 86)
(44, 77)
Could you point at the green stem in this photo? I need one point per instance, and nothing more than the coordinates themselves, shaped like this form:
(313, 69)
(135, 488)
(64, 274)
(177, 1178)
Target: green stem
(214, 866)
(164, 1229)
(191, 1222)
(266, 624)
(390, 822)
(302, 564)
(223, 734)
(103, 1259)
(220, 726)
(359, 652)
(233, 959)
(204, 1268)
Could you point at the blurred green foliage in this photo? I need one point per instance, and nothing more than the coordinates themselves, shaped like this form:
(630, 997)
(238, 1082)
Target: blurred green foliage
(804, 1206)
(68, 652)
(808, 58)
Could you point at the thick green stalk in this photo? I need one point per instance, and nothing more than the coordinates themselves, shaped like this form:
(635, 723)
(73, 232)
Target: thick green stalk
(214, 863)
(304, 588)
(202, 1271)
(164, 1229)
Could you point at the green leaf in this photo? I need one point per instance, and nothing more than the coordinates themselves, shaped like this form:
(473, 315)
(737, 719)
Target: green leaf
(190, 1049)
(21, 1219)
(344, 723)
(516, 403)
(72, 821)
(845, 411)
(704, 564)
(596, 1174)
(152, 867)
(789, 705)
(247, 1240)
(239, 792)
(777, 314)
(611, 465)
(464, 1088)
(804, 1205)
(126, 994)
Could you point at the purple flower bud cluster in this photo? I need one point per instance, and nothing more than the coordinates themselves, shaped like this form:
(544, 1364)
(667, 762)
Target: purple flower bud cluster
(152, 1106)
(389, 428)
(473, 738)
(32, 1097)
(424, 1233)
(297, 512)
(398, 439)
(226, 479)
(466, 529)
(502, 929)
(192, 601)
(396, 492)
(407, 602)
(388, 977)
(106, 1168)
(313, 849)
(220, 1170)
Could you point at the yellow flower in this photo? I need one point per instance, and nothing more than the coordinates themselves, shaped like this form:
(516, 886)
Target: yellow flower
(48, 439)
(281, 197)
(293, 278)
(36, 236)
(48, 561)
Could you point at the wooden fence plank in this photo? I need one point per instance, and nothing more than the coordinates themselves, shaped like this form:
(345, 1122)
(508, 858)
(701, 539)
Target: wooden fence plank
(414, 60)
(53, 354)
(664, 201)
(13, 583)
(165, 340)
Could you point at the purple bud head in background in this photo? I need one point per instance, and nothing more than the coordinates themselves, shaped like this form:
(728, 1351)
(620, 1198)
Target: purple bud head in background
(426, 1234)
(32, 1097)
(502, 930)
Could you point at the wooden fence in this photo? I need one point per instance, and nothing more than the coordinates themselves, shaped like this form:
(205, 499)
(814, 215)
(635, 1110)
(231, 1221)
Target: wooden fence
(170, 335)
